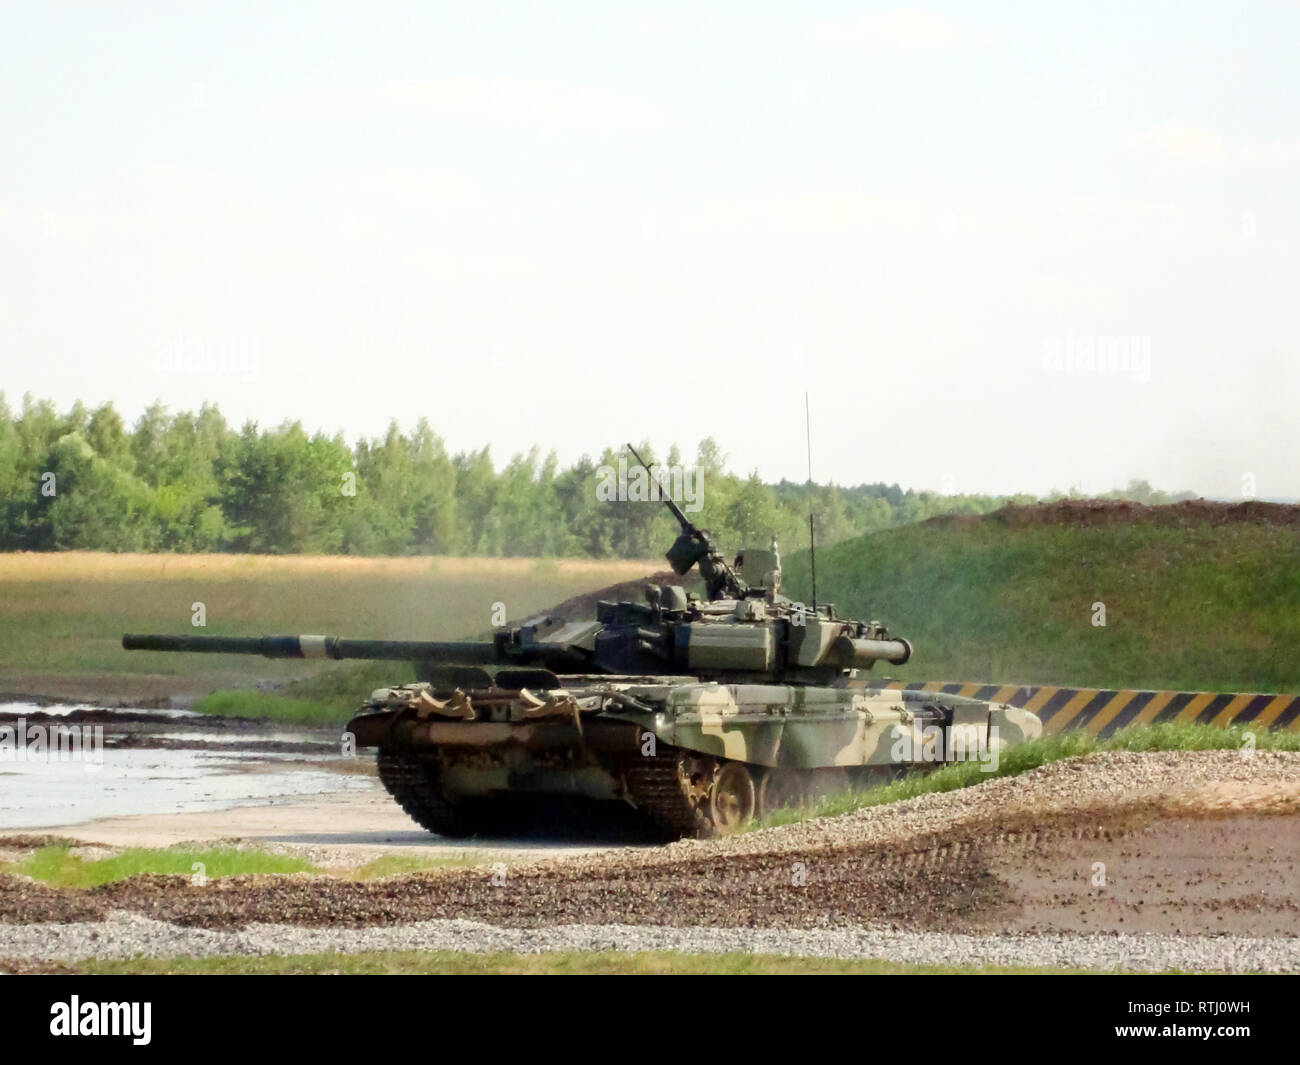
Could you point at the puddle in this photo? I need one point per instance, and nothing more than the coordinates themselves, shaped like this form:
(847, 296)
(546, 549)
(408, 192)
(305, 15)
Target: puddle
(198, 735)
(64, 709)
(164, 768)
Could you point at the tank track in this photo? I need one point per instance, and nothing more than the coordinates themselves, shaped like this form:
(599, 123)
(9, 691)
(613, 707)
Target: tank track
(657, 788)
(414, 785)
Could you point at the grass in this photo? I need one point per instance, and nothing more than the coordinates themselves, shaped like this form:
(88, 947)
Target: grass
(57, 867)
(1199, 607)
(1167, 736)
(273, 707)
(328, 698)
(574, 963)
(406, 864)
(64, 613)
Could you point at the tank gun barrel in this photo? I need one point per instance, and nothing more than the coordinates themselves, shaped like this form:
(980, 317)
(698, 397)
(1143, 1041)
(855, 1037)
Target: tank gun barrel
(317, 647)
(501, 651)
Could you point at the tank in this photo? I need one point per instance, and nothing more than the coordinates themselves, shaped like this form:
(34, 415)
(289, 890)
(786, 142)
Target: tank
(701, 711)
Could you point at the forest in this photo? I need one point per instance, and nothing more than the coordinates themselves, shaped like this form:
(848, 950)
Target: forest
(191, 482)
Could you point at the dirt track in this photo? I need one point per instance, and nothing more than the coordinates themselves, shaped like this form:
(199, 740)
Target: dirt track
(1195, 843)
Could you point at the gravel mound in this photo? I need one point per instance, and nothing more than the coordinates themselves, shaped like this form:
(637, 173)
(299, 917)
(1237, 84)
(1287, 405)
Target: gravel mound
(1107, 784)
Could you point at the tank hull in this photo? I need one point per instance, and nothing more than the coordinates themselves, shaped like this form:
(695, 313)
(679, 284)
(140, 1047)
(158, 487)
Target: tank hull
(697, 757)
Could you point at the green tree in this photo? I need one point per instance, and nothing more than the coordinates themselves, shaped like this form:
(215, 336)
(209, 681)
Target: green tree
(476, 486)
(283, 491)
(97, 507)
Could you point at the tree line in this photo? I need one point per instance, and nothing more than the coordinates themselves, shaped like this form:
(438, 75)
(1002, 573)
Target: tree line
(191, 482)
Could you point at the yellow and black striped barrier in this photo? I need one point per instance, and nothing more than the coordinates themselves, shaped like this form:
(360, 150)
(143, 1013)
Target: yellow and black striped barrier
(1104, 710)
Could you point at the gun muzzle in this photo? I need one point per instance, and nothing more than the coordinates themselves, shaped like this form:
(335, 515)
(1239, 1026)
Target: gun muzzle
(850, 653)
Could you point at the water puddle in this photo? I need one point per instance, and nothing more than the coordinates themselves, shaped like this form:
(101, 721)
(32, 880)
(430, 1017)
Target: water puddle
(66, 709)
(144, 761)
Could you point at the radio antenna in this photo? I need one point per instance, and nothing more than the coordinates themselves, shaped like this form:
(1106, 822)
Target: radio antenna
(812, 537)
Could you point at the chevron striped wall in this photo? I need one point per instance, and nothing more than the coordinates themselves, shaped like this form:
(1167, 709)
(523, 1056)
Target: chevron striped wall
(1103, 710)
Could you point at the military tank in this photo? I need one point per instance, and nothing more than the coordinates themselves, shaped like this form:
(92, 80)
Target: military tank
(701, 711)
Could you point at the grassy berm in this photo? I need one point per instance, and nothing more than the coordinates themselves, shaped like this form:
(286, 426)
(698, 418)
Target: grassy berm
(1198, 596)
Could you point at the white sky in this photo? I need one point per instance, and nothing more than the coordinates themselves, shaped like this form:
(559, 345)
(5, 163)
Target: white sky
(576, 226)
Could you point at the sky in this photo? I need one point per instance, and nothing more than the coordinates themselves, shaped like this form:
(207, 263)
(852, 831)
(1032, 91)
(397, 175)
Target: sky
(1002, 246)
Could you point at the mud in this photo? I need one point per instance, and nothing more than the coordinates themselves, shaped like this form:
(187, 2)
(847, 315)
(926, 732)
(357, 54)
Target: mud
(1230, 873)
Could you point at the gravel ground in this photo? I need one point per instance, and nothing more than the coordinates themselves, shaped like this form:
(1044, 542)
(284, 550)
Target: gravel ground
(1201, 851)
(125, 935)
(1199, 782)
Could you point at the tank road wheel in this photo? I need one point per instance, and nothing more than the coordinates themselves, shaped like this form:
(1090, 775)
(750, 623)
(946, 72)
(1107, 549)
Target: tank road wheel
(733, 800)
(782, 788)
(414, 784)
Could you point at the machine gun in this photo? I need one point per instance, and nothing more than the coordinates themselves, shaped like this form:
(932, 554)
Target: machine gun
(693, 546)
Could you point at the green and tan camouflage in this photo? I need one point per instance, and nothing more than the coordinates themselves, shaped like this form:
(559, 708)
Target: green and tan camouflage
(702, 712)
(699, 757)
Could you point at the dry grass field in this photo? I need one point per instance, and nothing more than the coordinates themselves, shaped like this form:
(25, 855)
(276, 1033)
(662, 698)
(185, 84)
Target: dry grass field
(62, 615)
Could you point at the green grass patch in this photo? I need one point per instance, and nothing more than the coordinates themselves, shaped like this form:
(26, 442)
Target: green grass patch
(345, 685)
(1167, 736)
(53, 864)
(57, 867)
(329, 698)
(575, 963)
(271, 707)
(407, 864)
